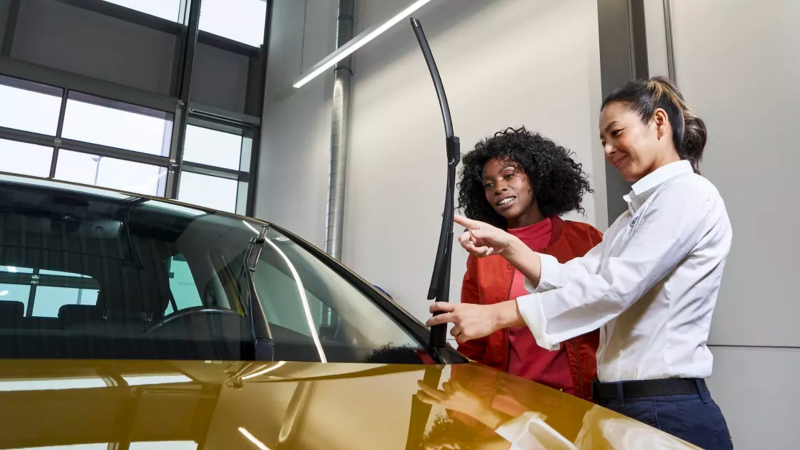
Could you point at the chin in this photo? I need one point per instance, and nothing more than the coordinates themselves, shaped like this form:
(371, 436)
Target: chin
(630, 175)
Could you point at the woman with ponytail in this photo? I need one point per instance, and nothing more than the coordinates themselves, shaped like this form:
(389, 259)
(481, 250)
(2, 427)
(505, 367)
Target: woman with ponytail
(650, 285)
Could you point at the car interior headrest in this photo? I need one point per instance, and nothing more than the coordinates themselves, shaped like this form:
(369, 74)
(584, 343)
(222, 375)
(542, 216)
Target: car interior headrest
(11, 313)
(74, 314)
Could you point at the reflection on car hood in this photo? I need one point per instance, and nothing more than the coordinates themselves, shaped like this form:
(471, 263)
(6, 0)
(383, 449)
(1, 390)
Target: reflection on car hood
(240, 405)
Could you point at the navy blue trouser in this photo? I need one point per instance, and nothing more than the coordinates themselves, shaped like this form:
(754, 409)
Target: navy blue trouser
(695, 418)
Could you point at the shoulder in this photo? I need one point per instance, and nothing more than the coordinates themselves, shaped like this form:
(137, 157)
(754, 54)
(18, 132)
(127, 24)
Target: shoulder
(582, 229)
(690, 198)
(579, 227)
(580, 236)
(691, 187)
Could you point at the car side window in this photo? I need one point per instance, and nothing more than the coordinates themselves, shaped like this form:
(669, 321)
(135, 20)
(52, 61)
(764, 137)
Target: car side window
(181, 284)
(42, 293)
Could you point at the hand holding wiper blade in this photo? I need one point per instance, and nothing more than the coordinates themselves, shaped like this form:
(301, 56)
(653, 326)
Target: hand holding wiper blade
(440, 280)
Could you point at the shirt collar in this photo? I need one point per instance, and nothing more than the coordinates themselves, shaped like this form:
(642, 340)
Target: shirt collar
(642, 189)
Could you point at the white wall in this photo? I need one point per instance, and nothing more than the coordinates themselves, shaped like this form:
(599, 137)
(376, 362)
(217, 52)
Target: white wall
(737, 62)
(504, 63)
(293, 169)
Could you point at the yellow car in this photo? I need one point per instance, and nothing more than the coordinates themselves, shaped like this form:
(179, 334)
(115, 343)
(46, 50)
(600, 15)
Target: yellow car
(129, 322)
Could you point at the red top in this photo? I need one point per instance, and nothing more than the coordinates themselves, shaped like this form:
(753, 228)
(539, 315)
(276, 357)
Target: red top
(489, 280)
(525, 358)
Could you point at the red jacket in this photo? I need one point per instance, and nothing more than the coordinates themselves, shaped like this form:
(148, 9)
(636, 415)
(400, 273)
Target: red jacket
(488, 280)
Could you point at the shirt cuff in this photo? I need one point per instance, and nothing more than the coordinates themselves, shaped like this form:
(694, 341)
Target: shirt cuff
(530, 308)
(517, 427)
(549, 278)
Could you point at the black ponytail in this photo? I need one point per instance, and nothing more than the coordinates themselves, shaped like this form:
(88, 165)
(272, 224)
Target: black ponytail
(646, 96)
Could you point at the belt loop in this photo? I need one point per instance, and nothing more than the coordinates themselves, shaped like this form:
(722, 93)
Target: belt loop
(703, 394)
(620, 393)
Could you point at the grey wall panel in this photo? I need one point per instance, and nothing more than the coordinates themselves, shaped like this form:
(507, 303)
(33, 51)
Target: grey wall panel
(68, 38)
(295, 136)
(3, 18)
(220, 78)
(737, 63)
(757, 391)
(617, 67)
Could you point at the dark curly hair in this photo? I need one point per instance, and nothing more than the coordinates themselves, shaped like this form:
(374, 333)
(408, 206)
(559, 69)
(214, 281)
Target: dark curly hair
(557, 181)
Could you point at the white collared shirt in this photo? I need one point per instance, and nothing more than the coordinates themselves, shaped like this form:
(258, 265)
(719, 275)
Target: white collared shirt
(650, 286)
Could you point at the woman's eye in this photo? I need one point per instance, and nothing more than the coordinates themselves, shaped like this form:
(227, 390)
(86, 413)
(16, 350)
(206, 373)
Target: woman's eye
(488, 185)
(616, 133)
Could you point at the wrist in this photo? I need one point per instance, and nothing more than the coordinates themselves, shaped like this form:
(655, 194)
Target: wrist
(513, 247)
(506, 315)
(490, 418)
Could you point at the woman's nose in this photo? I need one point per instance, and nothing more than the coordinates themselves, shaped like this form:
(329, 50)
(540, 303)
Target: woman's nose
(609, 150)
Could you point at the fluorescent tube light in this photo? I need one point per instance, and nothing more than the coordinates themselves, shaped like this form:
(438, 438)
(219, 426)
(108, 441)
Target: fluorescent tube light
(144, 380)
(358, 42)
(52, 384)
(262, 372)
(253, 439)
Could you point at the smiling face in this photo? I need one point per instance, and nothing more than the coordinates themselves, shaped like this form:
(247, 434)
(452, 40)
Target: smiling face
(509, 193)
(634, 147)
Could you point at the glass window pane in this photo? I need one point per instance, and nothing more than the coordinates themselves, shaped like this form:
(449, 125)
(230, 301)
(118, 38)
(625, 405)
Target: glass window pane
(111, 173)
(166, 9)
(114, 124)
(211, 192)
(18, 293)
(212, 147)
(239, 20)
(241, 200)
(29, 106)
(25, 159)
(181, 284)
(49, 299)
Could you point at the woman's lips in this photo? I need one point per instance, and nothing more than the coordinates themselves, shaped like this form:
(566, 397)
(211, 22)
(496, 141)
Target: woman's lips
(506, 203)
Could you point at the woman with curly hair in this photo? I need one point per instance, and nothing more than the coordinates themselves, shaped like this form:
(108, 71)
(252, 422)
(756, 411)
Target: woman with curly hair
(651, 285)
(522, 182)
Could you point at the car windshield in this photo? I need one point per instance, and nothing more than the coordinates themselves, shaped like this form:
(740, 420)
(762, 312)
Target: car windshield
(88, 273)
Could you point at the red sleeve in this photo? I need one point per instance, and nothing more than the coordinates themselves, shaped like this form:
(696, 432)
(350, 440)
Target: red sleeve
(476, 348)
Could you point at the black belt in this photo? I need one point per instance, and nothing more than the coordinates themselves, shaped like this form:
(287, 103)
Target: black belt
(648, 388)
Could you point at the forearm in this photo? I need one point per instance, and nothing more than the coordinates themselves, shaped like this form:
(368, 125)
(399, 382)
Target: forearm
(507, 315)
(525, 260)
(490, 417)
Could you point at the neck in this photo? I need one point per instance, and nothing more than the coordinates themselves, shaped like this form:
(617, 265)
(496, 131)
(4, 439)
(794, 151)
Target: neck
(668, 158)
(531, 216)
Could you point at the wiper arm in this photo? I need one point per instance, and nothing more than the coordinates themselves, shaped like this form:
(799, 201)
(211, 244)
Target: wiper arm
(258, 319)
(440, 280)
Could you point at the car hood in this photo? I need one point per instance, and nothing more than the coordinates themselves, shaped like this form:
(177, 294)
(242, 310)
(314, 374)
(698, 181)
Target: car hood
(181, 405)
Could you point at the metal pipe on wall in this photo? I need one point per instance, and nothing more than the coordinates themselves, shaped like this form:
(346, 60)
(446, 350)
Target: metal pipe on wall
(670, 49)
(340, 123)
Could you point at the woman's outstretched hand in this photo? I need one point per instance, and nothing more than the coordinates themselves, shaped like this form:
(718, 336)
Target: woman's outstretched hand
(475, 321)
(481, 239)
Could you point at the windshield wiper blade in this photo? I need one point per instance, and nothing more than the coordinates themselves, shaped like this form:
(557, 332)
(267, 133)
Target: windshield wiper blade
(440, 280)
(262, 335)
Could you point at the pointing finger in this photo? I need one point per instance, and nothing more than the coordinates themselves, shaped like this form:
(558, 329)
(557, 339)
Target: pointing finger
(468, 223)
